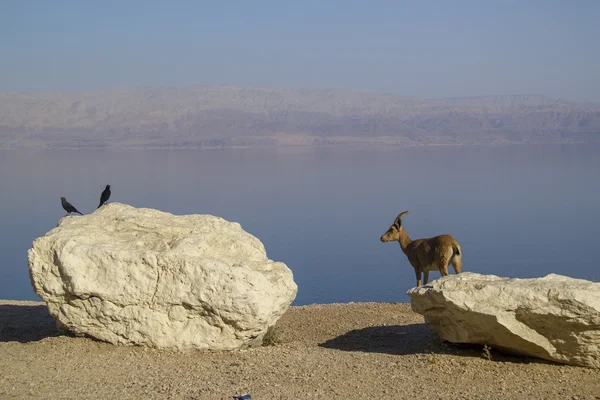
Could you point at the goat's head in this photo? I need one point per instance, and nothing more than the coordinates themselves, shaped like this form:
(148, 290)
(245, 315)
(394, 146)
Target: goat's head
(393, 234)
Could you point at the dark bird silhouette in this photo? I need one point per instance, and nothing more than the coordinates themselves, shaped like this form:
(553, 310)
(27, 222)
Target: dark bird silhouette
(104, 196)
(68, 207)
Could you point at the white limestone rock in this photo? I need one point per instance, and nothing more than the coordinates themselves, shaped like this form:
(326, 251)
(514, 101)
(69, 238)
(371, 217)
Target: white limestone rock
(555, 317)
(139, 276)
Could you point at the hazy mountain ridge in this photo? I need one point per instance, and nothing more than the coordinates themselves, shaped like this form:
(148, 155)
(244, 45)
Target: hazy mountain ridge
(225, 116)
(506, 100)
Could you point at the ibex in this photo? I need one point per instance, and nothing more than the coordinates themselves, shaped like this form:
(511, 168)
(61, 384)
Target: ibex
(431, 254)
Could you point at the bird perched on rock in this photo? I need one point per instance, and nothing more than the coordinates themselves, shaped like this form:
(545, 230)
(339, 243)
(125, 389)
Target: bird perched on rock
(104, 196)
(68, 207)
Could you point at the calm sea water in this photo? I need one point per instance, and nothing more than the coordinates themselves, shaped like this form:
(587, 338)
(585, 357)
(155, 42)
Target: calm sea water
(518, 211)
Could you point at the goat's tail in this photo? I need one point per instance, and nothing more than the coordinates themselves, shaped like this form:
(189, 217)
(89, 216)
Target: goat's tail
(456, 259)
(456, 250)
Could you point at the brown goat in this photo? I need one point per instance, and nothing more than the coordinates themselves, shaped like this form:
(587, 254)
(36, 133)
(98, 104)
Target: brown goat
(431, 254)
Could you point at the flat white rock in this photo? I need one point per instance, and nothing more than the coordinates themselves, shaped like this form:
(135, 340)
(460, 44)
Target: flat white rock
(555, 317)
(139, 276)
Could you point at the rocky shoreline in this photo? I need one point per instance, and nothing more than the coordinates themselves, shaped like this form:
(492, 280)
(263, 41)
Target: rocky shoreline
(334, 351)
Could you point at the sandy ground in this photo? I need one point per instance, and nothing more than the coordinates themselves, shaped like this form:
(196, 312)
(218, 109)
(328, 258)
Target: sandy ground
(339, 351)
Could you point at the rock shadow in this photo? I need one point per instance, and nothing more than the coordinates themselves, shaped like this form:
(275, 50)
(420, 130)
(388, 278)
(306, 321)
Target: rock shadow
(396, 339)
(414, 339)
(26, 323)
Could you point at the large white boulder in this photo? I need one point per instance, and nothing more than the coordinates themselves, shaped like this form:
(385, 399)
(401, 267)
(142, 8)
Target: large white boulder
(139, 276)
(555, 317)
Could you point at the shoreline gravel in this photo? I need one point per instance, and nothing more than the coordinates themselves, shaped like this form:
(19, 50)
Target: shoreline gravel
(333, 351)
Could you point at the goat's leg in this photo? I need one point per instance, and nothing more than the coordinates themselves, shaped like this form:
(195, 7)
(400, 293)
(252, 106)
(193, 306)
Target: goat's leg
(425, 277)
(418, 273)
(457, 265)
(444, 270)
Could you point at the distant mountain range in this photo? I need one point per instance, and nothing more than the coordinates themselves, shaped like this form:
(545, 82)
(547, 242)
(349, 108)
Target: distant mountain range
(226, 116)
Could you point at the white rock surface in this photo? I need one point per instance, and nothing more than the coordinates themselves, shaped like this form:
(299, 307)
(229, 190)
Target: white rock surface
(139, 276)
(555, 317)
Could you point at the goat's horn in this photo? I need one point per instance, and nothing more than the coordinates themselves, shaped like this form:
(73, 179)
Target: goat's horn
(401, 215)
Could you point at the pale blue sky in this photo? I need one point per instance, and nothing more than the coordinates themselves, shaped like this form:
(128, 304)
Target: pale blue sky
(421, 48)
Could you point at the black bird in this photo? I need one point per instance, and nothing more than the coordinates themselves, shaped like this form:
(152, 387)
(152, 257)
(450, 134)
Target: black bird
(68, 207)
(104, 196)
